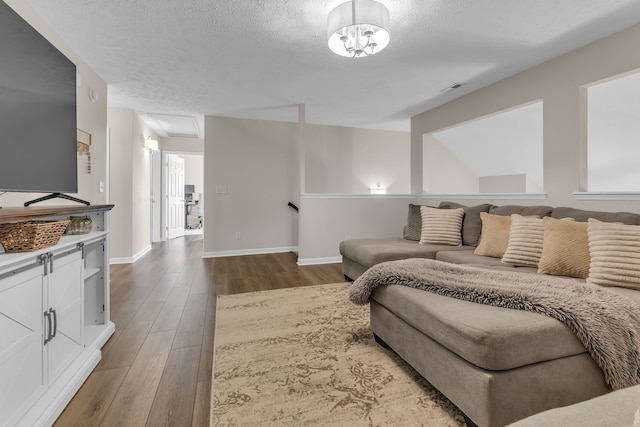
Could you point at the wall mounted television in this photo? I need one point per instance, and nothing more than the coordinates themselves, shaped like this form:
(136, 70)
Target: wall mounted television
(37, 111)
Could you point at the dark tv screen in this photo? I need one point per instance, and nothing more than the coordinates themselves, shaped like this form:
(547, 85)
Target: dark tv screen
(37, 111)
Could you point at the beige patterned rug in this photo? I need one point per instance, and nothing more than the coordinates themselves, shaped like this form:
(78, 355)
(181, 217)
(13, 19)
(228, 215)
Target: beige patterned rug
(306, 356)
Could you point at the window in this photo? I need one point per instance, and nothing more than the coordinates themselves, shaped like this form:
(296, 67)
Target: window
(501, 153)
(613, 135)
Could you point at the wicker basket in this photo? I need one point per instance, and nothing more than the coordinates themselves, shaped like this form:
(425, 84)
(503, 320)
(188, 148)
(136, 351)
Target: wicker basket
(31, 235)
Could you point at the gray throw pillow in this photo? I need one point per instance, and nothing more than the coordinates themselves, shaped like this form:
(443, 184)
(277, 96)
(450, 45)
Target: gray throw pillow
(471, 224)
(540, 211)
(583, 216)
(414, 223)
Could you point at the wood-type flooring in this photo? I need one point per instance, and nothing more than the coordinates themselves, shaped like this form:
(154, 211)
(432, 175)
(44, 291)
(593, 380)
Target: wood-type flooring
(156, 368)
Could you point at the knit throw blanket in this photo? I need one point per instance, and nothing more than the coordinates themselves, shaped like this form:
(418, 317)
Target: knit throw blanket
(607, 323)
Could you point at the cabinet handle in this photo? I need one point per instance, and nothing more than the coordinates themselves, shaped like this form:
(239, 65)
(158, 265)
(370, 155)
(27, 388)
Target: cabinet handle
(55, 322)
(47, 315)
(50, 256)
(43, 259)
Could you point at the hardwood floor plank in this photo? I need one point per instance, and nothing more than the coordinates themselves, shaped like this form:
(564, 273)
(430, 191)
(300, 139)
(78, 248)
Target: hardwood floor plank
(163, 288)
(175, 399)
(191, 328)
(169, 317)
(200, 282)
(89, 406)
(132, 403)
(206, 356)
(125, 304)
(201, 410)
(125, 347)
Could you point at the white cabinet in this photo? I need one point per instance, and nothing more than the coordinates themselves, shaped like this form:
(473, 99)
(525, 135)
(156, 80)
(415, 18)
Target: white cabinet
(54, 319)
(22, 377)
(41, 323)
(63, 311)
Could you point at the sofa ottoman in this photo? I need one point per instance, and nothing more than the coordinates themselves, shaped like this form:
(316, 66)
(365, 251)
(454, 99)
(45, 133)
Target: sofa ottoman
(496, 365)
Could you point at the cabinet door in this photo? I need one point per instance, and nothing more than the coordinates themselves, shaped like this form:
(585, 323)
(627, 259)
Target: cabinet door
(22, 377)
(64, 297)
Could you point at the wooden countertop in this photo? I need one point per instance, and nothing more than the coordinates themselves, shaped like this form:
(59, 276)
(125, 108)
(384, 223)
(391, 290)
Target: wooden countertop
(18, 214)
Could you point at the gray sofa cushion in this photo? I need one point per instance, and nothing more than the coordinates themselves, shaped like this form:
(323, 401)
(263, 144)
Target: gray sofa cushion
(614, 409)
(492, 338)
(467, 257)
(369, 252)
(471, 224)
(580, 215)
(540, 211)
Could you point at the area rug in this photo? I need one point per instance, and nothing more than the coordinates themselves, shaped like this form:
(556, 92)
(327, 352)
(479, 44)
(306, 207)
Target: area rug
(306, 356)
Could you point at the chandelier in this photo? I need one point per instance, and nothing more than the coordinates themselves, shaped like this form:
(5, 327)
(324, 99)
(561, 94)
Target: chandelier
(358, 28)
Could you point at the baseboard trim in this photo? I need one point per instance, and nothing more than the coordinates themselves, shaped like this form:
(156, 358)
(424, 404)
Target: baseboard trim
(241, 252)
(130, 260)
(318, 261)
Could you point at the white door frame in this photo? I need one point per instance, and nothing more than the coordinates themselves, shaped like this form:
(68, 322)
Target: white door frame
(162, 182)
(156, 197)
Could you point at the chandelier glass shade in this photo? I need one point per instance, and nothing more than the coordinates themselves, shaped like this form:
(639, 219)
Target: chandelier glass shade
(358, 28)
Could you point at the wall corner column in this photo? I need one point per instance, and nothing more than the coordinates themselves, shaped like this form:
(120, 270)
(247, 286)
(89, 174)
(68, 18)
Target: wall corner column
(416, 156)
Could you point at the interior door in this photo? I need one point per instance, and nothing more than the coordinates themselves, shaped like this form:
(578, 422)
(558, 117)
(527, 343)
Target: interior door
(175, 197)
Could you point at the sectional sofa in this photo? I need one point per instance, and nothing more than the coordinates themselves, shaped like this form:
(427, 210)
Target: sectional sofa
(497, 365)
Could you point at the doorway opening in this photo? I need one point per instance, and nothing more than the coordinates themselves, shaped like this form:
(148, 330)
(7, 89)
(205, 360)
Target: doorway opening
(178, 183)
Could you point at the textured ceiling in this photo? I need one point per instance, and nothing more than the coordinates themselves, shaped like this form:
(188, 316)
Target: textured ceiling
(260, 58)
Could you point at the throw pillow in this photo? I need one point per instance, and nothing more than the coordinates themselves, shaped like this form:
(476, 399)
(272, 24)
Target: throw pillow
(471, 223)
(615, 254)
(494, 238)
(414, 223)
(525, 241)
(565, 249)
(441, 226)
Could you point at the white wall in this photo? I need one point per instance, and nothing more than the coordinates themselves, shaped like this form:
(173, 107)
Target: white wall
(327, 220)
(121, 176)
(194, 173)
(141, 187)
(130, 174)
(252, 160)
(349, 160)
(559, 83)
(258, 163)
(444, 172)
(516, 183)
(182, 145)
(91, 117)
(506, 143)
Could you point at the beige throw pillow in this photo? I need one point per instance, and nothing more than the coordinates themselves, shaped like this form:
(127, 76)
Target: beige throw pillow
(525, 241)
(494, 239)
(441, 226)
(615, 254)
(565, 249)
